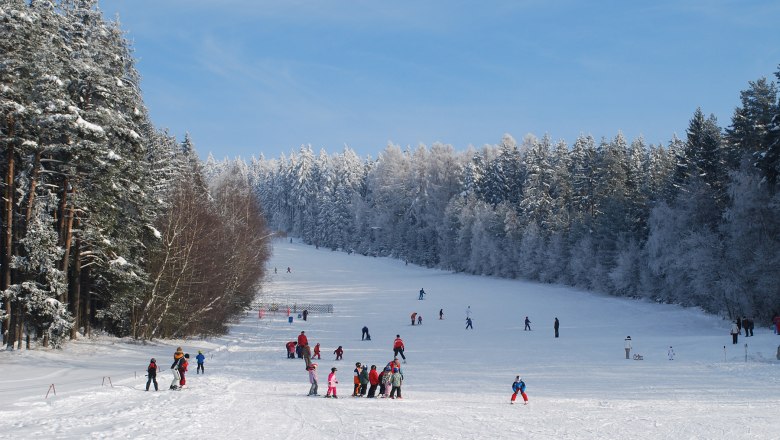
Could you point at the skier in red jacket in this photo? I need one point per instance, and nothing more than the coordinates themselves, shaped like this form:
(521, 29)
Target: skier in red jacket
(398, 347)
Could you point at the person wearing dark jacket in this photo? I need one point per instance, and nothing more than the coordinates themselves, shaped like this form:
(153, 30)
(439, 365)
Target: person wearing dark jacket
(201, 359)
(555, 326)
(339, 352)
(363, 381)
(365, 336)
(151, 373)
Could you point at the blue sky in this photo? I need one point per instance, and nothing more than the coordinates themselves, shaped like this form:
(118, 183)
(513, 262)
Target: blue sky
(251, 77)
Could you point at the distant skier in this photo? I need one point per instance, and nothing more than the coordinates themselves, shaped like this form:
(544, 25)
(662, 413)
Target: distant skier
(289, 270)
(398, 347)
(441, 313)
(518, 387)
(332, 381)
(555, 326)
(201, 359)
(422, 294)
(316, 351)
(527, 324)
(670, 353)
(305, 314)
(419, 319)
(628, 347)
(338, 352)
(734, 332)
(747, 323)
(151, 373)
(414, 317)
(313, 380)
(468, 324)
(365, 335)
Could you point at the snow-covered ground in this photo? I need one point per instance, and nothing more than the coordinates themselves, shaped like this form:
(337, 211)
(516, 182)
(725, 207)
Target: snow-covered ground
(457, 381)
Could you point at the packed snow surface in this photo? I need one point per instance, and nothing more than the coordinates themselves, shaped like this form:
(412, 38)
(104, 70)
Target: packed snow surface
(457, 382)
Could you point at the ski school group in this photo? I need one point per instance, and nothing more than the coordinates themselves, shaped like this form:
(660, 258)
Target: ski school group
(388, 381)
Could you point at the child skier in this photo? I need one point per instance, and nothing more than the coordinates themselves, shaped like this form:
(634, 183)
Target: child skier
(200, 358)
(338, 352)
(519, 387)
(332, 383)
(373, 380)
(385, 383)
(396, 379)
(183, 370)
(356, 379)
(291, 349)
(151, 373)
(313, 380)
(316, 351)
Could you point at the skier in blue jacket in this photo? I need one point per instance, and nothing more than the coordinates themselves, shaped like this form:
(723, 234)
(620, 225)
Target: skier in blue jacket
(519, 387)
(200, 358)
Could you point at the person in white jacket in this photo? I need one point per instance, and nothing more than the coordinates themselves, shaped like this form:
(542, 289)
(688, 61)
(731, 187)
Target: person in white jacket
(734, 332)
(670, 353)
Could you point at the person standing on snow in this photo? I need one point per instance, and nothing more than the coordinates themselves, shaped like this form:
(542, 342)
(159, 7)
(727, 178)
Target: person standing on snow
(356, 379)
(519, 387)
(527, 324)
(290, 349)
(670, 353)
(151, 373)
(441, 313)
(313, 380)
(628, 346)
(201, 359)
(332, 384)
(398, 347)
(555, 326)
(364, 381)
(396, 380)
(414, 317)
(386, 382)
(317, 351)
(419, 319)
(422, 294)
(734, 332)
(373, 380)
(338, 352)
(178, 360)
(468, 324)
(365, 335)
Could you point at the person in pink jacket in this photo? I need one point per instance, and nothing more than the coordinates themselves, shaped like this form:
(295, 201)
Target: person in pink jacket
(332, 381)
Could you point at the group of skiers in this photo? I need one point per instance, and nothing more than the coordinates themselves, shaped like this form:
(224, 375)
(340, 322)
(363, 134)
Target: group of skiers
(366, 382)
(178, 368)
